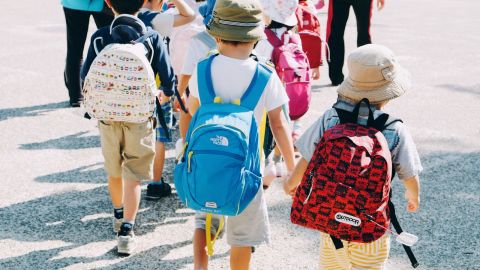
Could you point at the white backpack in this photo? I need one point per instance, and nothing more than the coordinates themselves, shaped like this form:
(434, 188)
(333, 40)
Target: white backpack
(120, 85)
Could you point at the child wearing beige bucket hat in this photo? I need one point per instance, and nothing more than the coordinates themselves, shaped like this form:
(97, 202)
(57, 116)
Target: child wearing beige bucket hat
(237, 26)
(374, 74)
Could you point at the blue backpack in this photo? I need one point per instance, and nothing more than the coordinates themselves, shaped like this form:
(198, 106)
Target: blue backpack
(219, 169)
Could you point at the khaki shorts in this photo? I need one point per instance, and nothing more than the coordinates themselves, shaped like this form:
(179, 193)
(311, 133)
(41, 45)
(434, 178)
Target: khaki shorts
(128, 149)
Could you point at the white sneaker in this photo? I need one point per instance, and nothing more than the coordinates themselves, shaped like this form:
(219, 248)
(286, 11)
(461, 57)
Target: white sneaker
(125, 240)
(270, 174)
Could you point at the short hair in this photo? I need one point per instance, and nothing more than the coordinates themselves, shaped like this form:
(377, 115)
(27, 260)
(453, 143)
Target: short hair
(127, 6)
(234, 42)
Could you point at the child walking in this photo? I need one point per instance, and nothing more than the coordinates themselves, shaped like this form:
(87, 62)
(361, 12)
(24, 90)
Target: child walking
(237, 26)
(374, 74)
(164, 23)
(282, 20)
(128, 148)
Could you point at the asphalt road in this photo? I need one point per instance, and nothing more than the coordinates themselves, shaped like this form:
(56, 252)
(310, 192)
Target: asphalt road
(54, 206)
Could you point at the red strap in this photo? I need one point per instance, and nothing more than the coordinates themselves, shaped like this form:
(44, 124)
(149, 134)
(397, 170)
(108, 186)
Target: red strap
(272, 38)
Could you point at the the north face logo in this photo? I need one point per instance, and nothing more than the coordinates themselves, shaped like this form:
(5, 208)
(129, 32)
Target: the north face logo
(219, 140)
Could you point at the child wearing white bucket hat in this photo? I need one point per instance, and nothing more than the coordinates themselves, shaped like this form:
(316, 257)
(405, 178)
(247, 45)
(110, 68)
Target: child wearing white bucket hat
(374, 74)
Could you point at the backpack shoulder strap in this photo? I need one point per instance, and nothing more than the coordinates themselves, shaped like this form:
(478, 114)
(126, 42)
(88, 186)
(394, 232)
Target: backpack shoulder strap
(272, 38)
(257, 86)
(206, 39)
(204, 79)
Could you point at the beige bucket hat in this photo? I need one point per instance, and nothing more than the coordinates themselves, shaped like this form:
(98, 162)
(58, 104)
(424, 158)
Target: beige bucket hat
(375, 74)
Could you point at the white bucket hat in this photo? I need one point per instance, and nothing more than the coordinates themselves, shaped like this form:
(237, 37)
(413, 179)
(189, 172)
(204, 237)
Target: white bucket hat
(375, 74)
(282, 11)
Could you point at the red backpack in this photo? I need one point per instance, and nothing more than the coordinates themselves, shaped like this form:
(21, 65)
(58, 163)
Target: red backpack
(293, 69)
(309, 32)
(346, 187)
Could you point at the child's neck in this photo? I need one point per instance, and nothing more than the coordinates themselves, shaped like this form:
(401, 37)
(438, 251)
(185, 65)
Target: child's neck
(237, 52)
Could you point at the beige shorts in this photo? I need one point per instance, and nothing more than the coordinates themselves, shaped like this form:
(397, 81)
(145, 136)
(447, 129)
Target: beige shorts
(128, 149)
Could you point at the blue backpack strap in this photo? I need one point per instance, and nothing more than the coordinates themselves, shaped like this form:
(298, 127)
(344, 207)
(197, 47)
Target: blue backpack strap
(204, 79)
(257, 85)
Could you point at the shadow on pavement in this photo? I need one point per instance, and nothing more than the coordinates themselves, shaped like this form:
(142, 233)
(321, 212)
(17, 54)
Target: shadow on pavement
(447, 222)
(32, 110)
(469, 89)
(79, 218)
(94, 174)
(74, 141)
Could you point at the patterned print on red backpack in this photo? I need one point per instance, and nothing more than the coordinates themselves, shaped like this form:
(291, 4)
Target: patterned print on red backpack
(293, 69)
(345, 189)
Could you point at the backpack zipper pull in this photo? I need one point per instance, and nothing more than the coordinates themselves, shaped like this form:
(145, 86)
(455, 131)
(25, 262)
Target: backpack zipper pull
(310, 177)
(190, 154)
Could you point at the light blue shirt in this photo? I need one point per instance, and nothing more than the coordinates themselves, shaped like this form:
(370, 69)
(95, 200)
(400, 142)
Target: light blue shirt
(406, 160)
(84, 5)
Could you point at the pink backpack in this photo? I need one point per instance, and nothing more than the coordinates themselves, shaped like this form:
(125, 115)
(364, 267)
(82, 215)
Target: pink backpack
(293, 68)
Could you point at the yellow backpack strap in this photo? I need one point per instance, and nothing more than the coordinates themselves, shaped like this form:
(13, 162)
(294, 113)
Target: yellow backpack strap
(262, 134)
(208, 230)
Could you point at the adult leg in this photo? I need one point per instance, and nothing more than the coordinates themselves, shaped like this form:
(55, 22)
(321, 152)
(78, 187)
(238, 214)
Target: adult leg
(338, 12)
(102, 19)
(77, 28)
(363, 14)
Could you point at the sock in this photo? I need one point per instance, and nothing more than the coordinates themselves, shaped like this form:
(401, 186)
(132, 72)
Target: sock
(157, 182)
(118, 213)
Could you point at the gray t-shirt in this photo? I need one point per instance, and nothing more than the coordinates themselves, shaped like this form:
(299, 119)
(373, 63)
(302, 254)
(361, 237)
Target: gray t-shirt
(406, 160)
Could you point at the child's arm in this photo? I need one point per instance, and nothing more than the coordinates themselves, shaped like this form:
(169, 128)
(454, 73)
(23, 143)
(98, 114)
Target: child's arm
(161, 66)
(412, 193)
(290, 186)
(89, 60)
(281, 133)
(185, 13)
(193, 104)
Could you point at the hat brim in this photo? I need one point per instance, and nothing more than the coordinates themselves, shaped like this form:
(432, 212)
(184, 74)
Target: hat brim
(236, 33)
(388, 91)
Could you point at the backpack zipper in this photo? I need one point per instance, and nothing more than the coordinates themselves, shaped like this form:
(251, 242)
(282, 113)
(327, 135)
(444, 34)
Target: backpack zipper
(310, 177)
(216, 152)
(190, 154)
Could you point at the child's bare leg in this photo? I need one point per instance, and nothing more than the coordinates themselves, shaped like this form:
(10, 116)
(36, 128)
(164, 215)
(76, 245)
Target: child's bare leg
(115, 187)
(159, 161)
(185, 119)
(240, 258)
(200, 258)
(131, 200)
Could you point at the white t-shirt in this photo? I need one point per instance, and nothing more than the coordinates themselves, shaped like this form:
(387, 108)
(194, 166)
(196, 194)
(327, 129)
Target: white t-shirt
(231, 78)
(197, 50)
(162, 23)
(264, 48)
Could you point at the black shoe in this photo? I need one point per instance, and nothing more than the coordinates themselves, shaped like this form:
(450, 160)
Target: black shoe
(75, 104)
(157, 190)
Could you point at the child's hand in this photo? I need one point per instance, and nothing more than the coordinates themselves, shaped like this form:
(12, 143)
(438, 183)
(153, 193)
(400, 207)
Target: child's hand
(289, 188)
(413, 201)
(316, 73)
(163, 99)
(380, 4)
